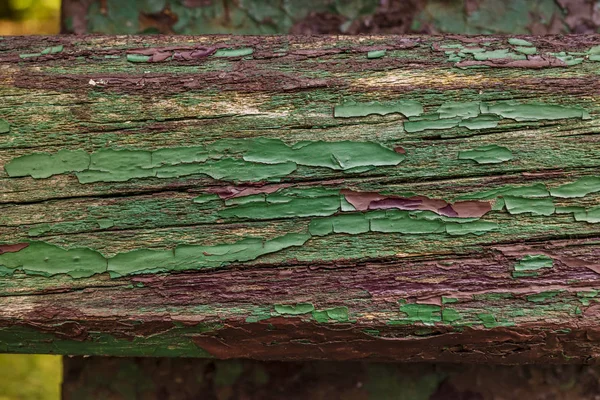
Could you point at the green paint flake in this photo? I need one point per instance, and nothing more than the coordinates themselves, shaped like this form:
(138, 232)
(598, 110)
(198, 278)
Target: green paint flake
(430, 122)
(228, 169)
(585, 297)
(449, 300)
(518, 274)
(521, 205)
(105, 223)
(519, 42)
(488, 320)
(458, 109)
(241, 52)
(188, 257)
(426, 313)
(30, 55)
(138, 58)
(526, 50)
(533, 112)
(534, 262)
(342, 155)
(339, 314)
(450, 315)
(498, 54)
(297, 309)
(4, 126)
(591, 215)
(110, 165)
(480, 122)
(568, 58)
(376, 54)
(475, 228)
(320, 316)
(535, 190)
(580, 188)
(408, 108)
(352, 224)
(286, 207)
(543, 296)
(206, 198)
(490, 154)
(45, 259)
(41, 165)
(53, 50)
(403, 223)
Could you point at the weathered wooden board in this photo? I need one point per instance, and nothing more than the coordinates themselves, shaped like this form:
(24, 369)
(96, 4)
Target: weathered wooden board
(244, 17)
(108, 378)
(387, 198)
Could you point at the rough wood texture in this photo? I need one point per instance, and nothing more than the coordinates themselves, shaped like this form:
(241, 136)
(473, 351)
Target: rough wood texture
(244, 17)
(386, 198)
(182, 379)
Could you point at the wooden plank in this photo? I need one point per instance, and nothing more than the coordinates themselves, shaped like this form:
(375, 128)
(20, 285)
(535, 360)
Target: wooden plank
(156, 378)
(388, 198)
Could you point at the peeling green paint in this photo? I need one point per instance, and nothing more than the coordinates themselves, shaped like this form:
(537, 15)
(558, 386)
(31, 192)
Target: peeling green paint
(53, 50)
(489, 154)
(498, 54)
(534, 262)
(533, 111)
(241, 52)
(296, 309)
(4, 126)
(41, 165)
(535, 206)
(585, 297)
(376, 54)
(342, 155)
(458, 109)
(431, 121)
(138, 58)
(519, 42)
(450, 315)
(263, 159)
(46, 259)
(526, 50)
(580, 188)
(482, 121)
(408, 108)
(428, 314)
(543, 296)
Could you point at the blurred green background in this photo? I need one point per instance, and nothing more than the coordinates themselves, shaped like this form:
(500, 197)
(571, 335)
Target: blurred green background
(30, 377)
(29, 17)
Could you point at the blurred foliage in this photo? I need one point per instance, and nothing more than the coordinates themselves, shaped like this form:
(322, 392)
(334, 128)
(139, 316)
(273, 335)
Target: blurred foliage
(27, 17)
(30, 377)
